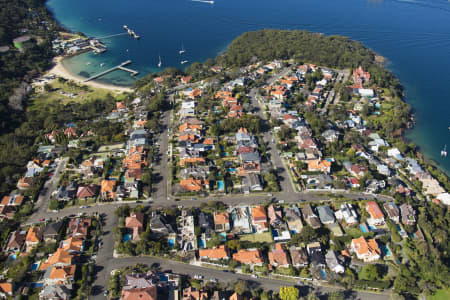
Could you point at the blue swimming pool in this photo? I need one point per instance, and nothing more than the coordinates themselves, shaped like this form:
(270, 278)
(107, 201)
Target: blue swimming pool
(385, 250)
(363, 228)
(220, 185)
(13, 257)
(37, 284)
(275, 233)
(201, 243)
(126, 237)
(372, 228)
(163, 278)
(34, 266)
(171, 242)
(323, 274)
(231, 170)
(224, 236)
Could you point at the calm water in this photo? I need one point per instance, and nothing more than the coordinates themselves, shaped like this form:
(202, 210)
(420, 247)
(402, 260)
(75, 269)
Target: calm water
(413, 35)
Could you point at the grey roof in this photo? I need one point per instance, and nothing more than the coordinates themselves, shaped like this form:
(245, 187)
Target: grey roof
(326, 215)
(52, 229)
(250, 157)
(55, 291)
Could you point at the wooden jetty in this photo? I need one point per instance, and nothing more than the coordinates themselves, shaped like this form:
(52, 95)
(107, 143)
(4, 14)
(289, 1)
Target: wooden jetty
(119, 67)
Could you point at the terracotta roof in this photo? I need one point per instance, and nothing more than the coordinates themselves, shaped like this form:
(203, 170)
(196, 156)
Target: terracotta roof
(148, 293)
(108, 186)
(192, 184)
(214, 253)
(72, 244)
(87, 191)
(259, 213)
(374, 210)
(62, 272)
(246, 256)
(279, 256)
(364, 247)
(193, 160)
(6, 287)
(33, 235)
(16, 201)
(61, 256)
(134, 220)
(221, 218)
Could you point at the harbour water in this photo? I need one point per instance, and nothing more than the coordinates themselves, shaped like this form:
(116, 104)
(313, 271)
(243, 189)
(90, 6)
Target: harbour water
(414, 36)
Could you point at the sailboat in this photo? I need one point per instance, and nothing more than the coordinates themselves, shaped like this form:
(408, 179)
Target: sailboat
(184, 62)
(160, 62)
(182, 50)
(444, 151)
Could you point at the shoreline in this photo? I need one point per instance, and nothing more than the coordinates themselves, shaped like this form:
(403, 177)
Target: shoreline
(61, 71)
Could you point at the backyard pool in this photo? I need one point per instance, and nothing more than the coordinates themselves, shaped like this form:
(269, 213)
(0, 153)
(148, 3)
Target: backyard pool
(385, 250)
(323, 274)
(171, 242)
(275, 233)
(126, 237)
(364, 228)
(220, 185)
(231, 170)
(201, 243)
(224, 236)
(34, 266)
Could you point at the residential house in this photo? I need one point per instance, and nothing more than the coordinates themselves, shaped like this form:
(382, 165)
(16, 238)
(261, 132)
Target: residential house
(319, 165)
(326, 214)
(249, 257)
(392, 211)
(299, 257)
(241, 220)
(310, 217)
(366, 250)
(186, 238)
(280, 231)
(316, 255)
(221, 221)
(294, 219)
(215, 253)
(347, 213)
(353, 182)
(6, 289)
(279, 257)
(60, 275)
(78, 227)
(34, 236)
(107, 190)
(194, 185)
(13, 199)
(25, 183)
(87, 191)
(67, 193)
(192, 293)
(147, 293)
(51, 231)
(61, 257)
(251, 182)
(72, 245)
(333, 262)
(159, 225)
(330, 135)
(55, 291)
(259, 219)
(135, 222)
(205, 221)
(408, 214)
(15, 241)
(376, 215)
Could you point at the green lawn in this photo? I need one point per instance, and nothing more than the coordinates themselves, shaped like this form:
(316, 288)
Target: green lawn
(440, 295)
(257, 237)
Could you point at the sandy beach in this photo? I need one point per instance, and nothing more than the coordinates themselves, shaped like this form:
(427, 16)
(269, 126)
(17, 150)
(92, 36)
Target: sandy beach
(61, 71)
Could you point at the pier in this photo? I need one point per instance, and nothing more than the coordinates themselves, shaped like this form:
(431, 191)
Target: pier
(119, 67)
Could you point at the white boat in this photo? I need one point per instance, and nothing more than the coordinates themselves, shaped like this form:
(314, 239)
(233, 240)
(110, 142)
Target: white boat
(101, 65)
(160, 62)
(88, 63)
(444, 151)
(204, 1)
(184, 62)
(125, 27)
(182, 50)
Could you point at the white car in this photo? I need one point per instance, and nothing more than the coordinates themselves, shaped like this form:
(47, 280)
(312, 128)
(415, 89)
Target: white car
(197, 276)
(254, 276)
(213, 280)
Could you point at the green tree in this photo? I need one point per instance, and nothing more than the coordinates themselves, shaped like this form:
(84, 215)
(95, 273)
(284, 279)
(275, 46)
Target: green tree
(240, 287)
(289, 293)
(370, 273)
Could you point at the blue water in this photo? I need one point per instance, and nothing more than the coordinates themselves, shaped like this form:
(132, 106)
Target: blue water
(412, 35)
(201, 243)
(275, 233)
(13, 256)
(163, 277)
(220, 185)
(363, 228)
(37, 284)
(372, 228)
(231, 170)
(385, 250)
(34, 266)
(126, 237)
(323, 273)
(171, 243)
(224, 236)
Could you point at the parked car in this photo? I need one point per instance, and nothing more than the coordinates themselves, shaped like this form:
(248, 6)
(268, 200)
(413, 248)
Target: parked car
(198, 276)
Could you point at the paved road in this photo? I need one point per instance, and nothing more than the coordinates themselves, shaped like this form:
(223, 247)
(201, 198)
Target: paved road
(161, 167)
(208, 273)
(43, 201)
